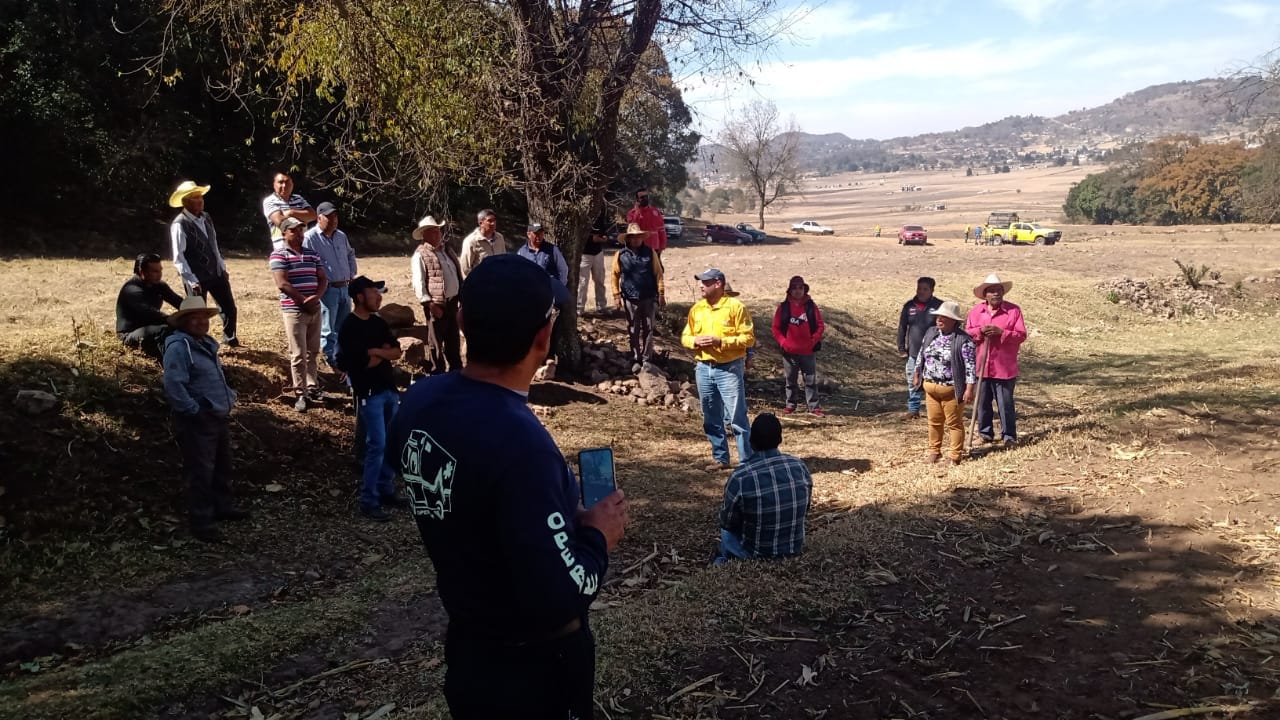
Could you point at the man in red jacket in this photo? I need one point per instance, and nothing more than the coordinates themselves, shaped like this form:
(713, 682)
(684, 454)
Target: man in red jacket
(649, 218)
(798, 328)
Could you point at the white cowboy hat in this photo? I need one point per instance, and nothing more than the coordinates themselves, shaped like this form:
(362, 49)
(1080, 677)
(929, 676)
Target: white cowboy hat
(949, 309)
(980, 292)
(426, 222)
(186, 188)
(191, 305)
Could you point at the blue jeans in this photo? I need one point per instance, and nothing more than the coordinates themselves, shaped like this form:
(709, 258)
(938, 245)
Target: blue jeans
(730, 548)
(914, 396)
(335, 306)
(722, 388)
(1002, 392)
(377, 412)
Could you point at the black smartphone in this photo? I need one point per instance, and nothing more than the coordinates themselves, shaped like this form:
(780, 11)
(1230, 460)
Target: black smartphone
(595, 474)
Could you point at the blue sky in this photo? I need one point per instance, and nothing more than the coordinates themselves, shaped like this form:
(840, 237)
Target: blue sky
(885, 69)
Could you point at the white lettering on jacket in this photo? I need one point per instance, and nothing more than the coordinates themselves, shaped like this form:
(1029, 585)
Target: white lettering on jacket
(587, 584)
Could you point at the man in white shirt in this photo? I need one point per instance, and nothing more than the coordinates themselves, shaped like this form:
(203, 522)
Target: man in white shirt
(196, 257)
(283, 203)
(483, 242)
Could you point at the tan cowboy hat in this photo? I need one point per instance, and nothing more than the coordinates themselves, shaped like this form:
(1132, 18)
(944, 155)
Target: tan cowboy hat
(186, 188)
(426, 222)
(949, 309)
(191, 305)
(634, 229)
(980, 292)
(729, 291)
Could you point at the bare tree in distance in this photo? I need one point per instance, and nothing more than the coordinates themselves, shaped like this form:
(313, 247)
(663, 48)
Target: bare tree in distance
(765, 153)
(1257, 85)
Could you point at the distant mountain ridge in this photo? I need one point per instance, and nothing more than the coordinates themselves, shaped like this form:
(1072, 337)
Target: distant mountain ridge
(1213, 108)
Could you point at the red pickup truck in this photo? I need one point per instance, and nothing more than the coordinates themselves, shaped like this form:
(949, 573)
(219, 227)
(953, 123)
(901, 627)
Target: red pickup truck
(913, 235)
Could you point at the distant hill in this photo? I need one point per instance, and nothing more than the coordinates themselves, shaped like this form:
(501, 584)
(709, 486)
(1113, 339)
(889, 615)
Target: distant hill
(1213, 108)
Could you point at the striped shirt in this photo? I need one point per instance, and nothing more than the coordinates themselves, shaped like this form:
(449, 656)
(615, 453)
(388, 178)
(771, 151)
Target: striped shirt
(300, 269)
(273, 202)
(765, 503)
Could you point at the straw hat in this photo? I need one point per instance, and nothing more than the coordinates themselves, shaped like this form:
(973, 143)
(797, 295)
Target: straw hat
(949, 309)
(980, 292)
(634, 229)
(191, 305)
(186, 188)
(426, 222)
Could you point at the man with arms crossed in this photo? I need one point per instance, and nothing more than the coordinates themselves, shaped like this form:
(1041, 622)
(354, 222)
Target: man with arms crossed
(517, 562)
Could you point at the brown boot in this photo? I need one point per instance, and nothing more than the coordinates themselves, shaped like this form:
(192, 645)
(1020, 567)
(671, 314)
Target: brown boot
(932, 457)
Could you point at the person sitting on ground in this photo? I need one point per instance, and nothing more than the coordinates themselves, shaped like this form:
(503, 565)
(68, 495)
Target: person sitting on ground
(638, 291)
(798, 328)
(946, 369)
(765, 500)
(140, 319)
(201, 400)
(367, 350)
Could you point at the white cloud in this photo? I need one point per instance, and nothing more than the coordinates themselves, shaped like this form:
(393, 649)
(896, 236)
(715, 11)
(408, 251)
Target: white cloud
(1251, 12)
(1033, 11)
(842, 21)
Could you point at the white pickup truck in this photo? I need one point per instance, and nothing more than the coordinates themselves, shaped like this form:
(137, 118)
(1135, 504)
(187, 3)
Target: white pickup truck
(812, 227)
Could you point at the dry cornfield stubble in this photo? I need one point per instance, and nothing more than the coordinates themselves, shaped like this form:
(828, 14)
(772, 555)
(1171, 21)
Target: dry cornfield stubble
(1119, 563)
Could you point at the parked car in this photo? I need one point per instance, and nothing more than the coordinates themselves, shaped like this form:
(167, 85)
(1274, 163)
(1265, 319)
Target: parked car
(812, 227)
(1022, 233)
(912, 235)
(725, 233)
(748, 228)
(675, 228)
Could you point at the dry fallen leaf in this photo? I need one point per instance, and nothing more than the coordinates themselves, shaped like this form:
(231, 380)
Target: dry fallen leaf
(274, 488)
(808, 676)
(241, 609)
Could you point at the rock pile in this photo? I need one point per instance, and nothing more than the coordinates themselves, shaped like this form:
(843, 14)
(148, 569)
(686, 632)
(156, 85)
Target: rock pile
(1172, 298)
(653, 387)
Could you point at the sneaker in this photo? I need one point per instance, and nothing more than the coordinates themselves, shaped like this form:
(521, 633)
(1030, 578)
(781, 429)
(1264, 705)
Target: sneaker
(395, 500)
(206, 533)
(817, 412)
(301, 404)
(315, 394)
(788, 411)
(232, 514)
(911, 415)
(375, 513)
(232, 343)
(932, 457)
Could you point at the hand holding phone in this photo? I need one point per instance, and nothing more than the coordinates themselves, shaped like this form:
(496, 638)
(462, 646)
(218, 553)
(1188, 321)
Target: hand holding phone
(596, 475)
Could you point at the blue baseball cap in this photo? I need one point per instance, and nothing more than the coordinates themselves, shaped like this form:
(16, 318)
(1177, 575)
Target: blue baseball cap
(710, 274)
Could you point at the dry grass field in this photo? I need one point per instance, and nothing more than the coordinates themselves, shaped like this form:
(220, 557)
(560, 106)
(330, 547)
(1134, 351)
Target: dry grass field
(1121, 562)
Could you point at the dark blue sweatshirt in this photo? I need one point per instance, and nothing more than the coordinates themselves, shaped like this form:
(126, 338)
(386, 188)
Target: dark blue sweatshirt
(495, 503)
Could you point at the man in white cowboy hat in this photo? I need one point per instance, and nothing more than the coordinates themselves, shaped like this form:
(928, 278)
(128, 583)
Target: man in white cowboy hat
(201, 400)
(638, 291)
(946, 371)
(300, 276)
(437, 280)
(591, 269)
(283, 203)
(482, 242)
(196, 257)
(719, 331)
(997, 326)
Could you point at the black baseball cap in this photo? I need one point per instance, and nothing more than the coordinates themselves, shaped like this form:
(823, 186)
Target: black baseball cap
(326, 208)
(535, 227)
(363, 283)
(505, 301)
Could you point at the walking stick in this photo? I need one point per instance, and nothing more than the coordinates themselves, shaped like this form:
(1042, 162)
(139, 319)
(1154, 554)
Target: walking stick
(977, 394)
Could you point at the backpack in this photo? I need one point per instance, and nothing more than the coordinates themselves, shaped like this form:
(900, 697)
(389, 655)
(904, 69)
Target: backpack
(810, 311)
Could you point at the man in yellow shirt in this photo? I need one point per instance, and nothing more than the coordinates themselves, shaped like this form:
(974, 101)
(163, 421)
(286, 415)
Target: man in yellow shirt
(719, 332)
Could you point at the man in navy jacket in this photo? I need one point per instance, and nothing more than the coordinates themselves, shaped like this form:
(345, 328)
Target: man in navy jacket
(517, 563)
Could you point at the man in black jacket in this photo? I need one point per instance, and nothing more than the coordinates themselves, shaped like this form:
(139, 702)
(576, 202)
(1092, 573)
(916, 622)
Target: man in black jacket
(517, 561)
(140, 319)
(913, 323)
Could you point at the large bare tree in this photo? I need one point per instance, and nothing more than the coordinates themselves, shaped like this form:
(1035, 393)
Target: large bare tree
(765, 152)
(520, 94)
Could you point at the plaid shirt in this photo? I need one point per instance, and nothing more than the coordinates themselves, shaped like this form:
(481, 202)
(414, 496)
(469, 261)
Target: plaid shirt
(765, 502)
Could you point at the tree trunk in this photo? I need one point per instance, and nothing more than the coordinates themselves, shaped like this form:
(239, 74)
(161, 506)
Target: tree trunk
(567, 223)
(762, 213)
